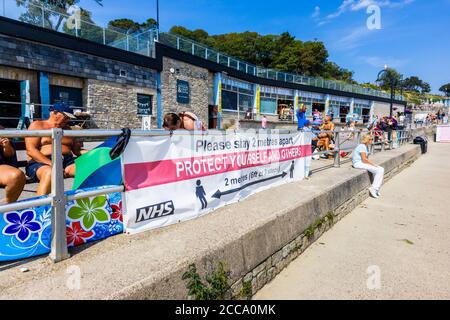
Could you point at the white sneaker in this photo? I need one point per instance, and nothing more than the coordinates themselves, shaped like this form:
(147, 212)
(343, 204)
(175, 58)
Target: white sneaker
(378, 193)
(373, 193)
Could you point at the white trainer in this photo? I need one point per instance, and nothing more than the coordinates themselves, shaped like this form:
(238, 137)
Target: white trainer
(373, 193)
(378, 193)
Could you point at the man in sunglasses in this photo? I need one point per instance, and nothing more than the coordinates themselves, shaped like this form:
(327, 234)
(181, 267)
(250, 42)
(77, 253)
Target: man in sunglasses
(39, 149)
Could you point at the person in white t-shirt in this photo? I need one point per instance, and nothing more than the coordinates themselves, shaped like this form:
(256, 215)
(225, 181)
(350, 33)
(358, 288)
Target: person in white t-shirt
(361, 160)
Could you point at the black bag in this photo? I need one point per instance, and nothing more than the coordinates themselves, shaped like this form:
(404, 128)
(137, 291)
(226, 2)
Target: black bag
(121, 144)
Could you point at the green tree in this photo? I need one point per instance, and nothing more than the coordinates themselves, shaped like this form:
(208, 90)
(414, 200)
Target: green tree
(417, 85)
(282, 52)
(445, 89)
(129, 26)
(370, 86)
(124, 25)
(333, 71)
(388, 78)
(313, 58)
(426, 88)
(55, 11)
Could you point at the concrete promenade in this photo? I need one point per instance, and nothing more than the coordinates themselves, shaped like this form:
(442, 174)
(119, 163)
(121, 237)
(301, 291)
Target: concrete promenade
(256, 239)
(404, 236)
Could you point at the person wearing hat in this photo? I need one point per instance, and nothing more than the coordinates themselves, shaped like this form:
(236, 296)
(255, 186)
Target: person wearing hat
(39, 149)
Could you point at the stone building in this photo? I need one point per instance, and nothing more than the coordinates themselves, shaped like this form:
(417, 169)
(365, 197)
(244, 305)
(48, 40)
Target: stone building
(115, 87)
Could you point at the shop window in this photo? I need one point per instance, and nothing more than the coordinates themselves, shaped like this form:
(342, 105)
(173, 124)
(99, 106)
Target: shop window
(229, 100)
(269, 106)
(71, 96)
(245, 102)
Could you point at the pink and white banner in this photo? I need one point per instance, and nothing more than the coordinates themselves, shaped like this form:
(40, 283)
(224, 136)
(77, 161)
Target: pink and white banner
(169, 179)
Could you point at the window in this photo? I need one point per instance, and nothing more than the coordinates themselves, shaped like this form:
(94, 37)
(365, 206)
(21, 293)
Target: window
(245, 102)
(229, 100)
(237, 93)
(72, 96)
(268, 106)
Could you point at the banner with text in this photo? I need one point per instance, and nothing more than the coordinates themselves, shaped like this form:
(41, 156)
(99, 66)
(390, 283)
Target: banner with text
(169, 179)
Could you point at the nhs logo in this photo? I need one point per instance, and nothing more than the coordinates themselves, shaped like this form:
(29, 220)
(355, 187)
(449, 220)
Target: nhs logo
(155, 211)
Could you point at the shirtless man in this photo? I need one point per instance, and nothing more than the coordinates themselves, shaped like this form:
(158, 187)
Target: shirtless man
(326, 137)
(39, 150)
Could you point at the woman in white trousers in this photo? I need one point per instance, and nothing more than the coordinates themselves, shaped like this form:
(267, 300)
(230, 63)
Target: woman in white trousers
(361, 160)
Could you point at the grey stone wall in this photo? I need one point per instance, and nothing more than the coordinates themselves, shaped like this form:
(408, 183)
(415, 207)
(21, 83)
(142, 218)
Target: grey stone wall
(34, 56)
(199, 83)
(114, 106)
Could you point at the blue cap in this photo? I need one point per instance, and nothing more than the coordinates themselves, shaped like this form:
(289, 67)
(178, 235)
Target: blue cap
(63, 108)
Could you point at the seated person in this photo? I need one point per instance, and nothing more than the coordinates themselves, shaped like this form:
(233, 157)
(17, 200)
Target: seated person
(325, 138)
(361, 160)
(10, 177)
(182, 120)
(39, 149)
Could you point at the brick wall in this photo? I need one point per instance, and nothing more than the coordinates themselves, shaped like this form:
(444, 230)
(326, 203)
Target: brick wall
(199, 83)
(34, 56)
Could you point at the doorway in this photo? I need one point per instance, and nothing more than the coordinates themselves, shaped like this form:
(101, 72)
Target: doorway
(365, 115)
(10, 107)
(285, 110)
(343, 112)
(213, 116)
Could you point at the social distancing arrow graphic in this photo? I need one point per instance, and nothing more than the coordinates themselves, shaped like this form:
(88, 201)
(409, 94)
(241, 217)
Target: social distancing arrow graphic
(219, 193)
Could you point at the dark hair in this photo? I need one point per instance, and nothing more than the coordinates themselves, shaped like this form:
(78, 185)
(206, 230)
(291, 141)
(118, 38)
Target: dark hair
(170, 119)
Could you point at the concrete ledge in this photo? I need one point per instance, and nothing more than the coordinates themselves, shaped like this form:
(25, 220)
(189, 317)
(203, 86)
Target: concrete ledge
(255, 238)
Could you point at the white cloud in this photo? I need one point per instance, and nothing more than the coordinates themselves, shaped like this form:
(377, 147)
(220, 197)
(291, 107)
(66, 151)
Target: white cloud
(380, 62)
(357, 5)
(352, 40)
(316, 13)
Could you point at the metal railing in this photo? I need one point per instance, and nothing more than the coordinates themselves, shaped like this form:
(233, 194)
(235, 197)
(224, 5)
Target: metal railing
(208, 53)
(87, 118)
(340, 137)
(54, 18)
(58, 198)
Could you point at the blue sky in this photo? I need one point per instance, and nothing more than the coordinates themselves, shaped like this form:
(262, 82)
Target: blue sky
(414, 37)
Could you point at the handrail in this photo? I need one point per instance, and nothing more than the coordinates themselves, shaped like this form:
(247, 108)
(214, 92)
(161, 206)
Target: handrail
(108, 36)
(177, 41)
(24, 205)
(58, 198)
